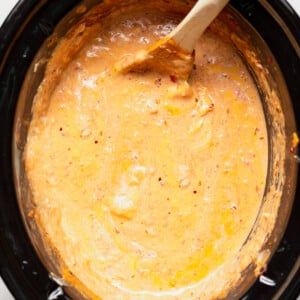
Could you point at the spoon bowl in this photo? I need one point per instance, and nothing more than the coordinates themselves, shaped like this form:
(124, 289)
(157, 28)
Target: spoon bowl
(173, 54)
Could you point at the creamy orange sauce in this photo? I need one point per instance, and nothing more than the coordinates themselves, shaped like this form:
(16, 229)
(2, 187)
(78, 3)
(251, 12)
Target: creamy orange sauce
(144, 184)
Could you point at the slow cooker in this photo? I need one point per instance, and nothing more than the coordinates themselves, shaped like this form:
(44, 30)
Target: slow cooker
(22, 34)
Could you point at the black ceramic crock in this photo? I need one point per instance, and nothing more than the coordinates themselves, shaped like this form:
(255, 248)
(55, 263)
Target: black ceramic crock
(22, 34)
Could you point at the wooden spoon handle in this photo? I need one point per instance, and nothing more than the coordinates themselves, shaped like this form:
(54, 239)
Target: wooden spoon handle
(197, 20)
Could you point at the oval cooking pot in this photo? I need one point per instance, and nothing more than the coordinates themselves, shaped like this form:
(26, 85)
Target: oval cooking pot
(21, 35)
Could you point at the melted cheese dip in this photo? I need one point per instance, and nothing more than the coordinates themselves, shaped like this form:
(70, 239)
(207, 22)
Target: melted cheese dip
(145, 185)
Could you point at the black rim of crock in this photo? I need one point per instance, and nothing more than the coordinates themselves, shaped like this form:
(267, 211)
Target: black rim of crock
(35, 20)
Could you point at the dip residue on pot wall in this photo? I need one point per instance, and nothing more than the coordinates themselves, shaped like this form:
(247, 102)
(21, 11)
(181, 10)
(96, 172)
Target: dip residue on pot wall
(144, 186)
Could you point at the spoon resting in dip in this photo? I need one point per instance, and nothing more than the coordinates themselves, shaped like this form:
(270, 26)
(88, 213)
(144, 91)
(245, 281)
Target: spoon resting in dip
(173, 54)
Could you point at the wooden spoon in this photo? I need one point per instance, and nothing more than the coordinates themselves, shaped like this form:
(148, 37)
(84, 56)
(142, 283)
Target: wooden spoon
(173, 54)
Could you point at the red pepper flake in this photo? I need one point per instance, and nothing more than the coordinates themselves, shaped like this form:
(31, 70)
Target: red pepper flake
(96, 142)
(161, 182)
(61, 131)
(292, 150)
(269, 60)
(173, 78)
(194, 192)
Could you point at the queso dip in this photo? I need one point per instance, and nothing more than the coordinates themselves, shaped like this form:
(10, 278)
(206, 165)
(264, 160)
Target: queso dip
(145, 185)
